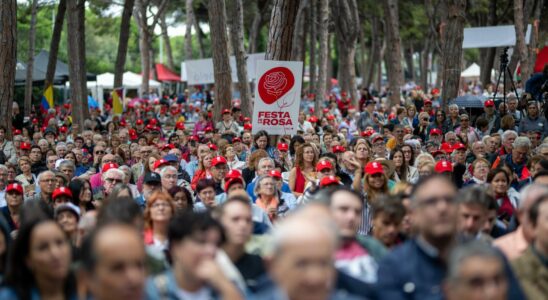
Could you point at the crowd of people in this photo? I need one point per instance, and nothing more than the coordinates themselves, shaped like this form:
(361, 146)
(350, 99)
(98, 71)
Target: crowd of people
(364, 202)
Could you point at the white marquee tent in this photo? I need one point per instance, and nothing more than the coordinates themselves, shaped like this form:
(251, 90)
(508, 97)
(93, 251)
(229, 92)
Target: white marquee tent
(132, 81)
(472, 71)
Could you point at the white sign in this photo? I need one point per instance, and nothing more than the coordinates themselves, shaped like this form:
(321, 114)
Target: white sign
(277, 96)
(200, 71)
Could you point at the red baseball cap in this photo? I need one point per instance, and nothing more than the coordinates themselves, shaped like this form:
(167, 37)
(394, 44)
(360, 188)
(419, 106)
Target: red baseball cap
(276, 174)
(226, 111)
(443, 166)
(325, 110)
(218, 160)
(489, 103)
(447, 148)
(153, 122)
(63, 129)
(123, 123)
(62, 191)
(331, 117)
(232, 181)
(368, 133)
(435, 91)
(168, 146)
(236, 140)
(212, 147)
(459, 146)
(109, 166)
(139, 122)
(234, 173)
(329, 180)
(208, 129)
(338, 149)
(194, 138)
(248, 126)
(437, 152)
(34, 121)
(313, 119)
(17, 132)
(323, 164)
(374, 167)
(377, 137)
(283, 147)
(180, 125)
(247, 119)
(160, 162)
(25, 146)
(14, 187)
(427, 101)
(435, 131)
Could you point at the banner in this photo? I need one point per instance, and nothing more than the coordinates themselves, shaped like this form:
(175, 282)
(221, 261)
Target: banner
(200, 71)
(277, 96)
(117, 101)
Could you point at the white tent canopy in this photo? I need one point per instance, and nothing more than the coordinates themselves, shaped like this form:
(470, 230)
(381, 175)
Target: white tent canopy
(472, 71)
(131, 81)
(492, 36)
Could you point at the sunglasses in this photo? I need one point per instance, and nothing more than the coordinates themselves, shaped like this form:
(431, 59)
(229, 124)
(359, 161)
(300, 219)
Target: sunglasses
(113, 180)
(99, 152)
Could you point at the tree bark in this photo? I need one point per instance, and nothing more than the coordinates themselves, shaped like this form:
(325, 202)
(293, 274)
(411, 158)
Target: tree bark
(236, 27)
(282, 27)
(30, 59)
(200, 35)
(313, 13)
(488, 59)
(374, 52)
(221, 63)
(167, 43)
(345, 14)
(254, 30)
(188, 33)
(393, 57)
(123, 43)
(77, 60)
(54, 44)
(521, 47)
(452, 50)
(408, 55)
(323, 61)
(298, 35)
(8, 60)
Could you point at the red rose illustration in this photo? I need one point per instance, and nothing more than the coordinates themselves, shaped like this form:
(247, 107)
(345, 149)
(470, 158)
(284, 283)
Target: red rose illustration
(275, 83)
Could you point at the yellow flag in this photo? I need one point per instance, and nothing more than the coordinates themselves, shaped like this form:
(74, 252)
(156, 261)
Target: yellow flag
(117, 97)
(47, 99)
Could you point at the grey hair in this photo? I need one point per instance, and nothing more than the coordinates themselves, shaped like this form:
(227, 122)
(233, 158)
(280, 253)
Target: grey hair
(476, 195)
(3, 167)
(41, 174)
(167, 168)
(264, 159)
(67, 163)
(60, 144)
(530, 193)
(542, 146)
(469, 250)
(522, 142)
(449, 133)
(115, 171)
(485, 139)
(258, 184)
(505, 135)
(453, 106)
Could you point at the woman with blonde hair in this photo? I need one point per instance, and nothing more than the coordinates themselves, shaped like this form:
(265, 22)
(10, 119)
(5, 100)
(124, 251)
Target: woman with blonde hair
(305, 162)
(363, 152)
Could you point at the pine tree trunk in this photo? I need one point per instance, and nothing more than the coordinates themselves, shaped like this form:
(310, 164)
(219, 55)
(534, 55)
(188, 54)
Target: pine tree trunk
(521, 47)
(200, 35)
(54, 44)
(313, 39)
(30, 59)
(424, 63)
(188, 33)
(221, 63)
(123, 43)
(77, 60)
(144, 46)
(408, 55)
(298, 35)
(282, 27)
(345, 14)
(374, 52)
(393, 57)
(254, 30)
(323, 61)
(488, 59)
(236, 26)
(8, 60)
(167, 43)
(452, 50)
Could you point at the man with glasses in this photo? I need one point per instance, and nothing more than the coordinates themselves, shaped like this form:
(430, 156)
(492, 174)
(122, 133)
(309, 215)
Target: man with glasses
(467, 131)
(47, 183)
(111, 177)
(95, 179)
(491, 116)
(37, 164)
(533, 121)
(435, 219)
(139, 168)
(169, 177)
(264, 166)
(517, 160)
(379, 146)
